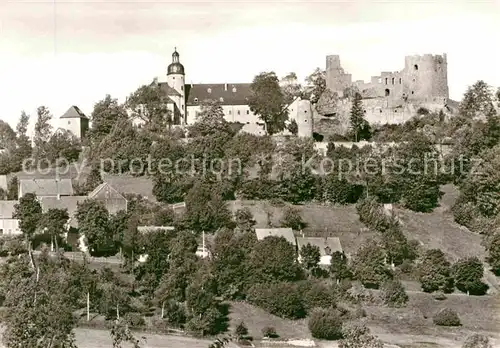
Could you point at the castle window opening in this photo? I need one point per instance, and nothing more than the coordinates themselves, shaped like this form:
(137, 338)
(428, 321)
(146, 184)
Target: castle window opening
(412, 92)
(238, 112)
(393, 80)
(400, 80)
(221, 99)
(364, 111)
(380, 110)
(69, 122)
(234, 89)
(182, 88)
(415, 67)
(229, 112)
(248, 112)
(387, 92)
(386, 79)
(195, 100)
(413, 80)
(209, 90)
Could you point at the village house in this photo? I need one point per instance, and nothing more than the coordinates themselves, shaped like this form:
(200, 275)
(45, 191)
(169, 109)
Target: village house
(327, 246)
(46, 187)
(8, 225)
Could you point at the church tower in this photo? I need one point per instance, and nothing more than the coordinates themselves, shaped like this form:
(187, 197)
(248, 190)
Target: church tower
(175, 80)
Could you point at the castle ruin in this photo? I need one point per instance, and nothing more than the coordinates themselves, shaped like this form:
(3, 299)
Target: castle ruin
(393, 97)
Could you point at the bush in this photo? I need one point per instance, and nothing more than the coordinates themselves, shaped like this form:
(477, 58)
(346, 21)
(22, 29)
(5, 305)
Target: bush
(394, 294)
(446, 317)
(269, 332)
(440, 296)
(135, 319)
(464, 213)
(477, 341)
(175, 314)
(241, 330)
(358, 313)
(320, 295)
(282, 299)
(325, 324)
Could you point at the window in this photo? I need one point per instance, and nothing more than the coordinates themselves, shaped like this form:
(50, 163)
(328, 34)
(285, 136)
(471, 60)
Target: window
(187, 113)
(364, 111)
(387, 92)
(195, 100)
(400, 80)
(415, 67)
(69, 122)
(393, 80)
(238, 112)
(173, 77)
(229, 112)
(248, 112)
(386, 79)
(209, 90)
(328, 251)
(182, 88)
(412, 92)
(234, 89)
(221, 99)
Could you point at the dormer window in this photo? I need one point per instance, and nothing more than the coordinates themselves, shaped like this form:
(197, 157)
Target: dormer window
(234, 89)
(195, 100)
(328, 251)
(209, 90)
(221, 99)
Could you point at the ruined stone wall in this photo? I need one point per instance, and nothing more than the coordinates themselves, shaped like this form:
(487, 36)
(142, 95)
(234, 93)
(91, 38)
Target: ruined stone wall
(336, 78)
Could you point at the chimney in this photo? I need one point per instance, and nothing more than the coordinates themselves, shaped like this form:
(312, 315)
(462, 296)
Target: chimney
(225, 87)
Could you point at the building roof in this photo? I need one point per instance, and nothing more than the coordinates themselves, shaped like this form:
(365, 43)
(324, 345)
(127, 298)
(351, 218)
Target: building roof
(287, 233)
(74, 112)
(143, 229)
(46, 187)
(333, 243)
(231, 93)
(132, 185)
(169, 91)
(7, 209)
(107, 188)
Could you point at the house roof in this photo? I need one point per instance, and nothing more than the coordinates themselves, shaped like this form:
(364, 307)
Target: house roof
(7, 209)
(169, 90)
(74, 112)
(104, 186)
(3, 182)
(133, 185)
(333, 243)
(287, 233)
(143, 229)
(46, 187)
(65, 202)
(231, 93)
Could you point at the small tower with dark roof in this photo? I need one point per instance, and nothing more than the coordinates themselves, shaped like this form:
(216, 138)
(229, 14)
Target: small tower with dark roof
(175, 79)
(75, 121)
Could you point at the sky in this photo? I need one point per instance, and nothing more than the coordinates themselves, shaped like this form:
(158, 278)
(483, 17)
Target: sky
(63, 53)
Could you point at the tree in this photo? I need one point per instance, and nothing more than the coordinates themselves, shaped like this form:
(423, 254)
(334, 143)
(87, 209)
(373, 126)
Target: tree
(120, 332)
(325, 324)
(468, 274)
(394, 294)
(149, 104)
(310, 256)
(267, 101)
(273, 259)
(244, 219)
(13, 189)
(339, 268)
(63, 145)
(359, 337)
(93, 223)
(434, 272)
(39, 304)
(290, 87)
(293, 127)
(477, 101)
(43, 130)
(106, 114)
(318, 80)
(358, 122)
(23, 149)
(29, 213)
(477, 341)
(446, 317)
(494, 253)
(205, 208)
(369, 265)
(94, 178)
(292, 218)
(241, 330)
(54, 221)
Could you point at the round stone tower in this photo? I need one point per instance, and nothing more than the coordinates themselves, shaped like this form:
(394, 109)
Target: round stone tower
(176, 80)
(304, 119)
(426, 78)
